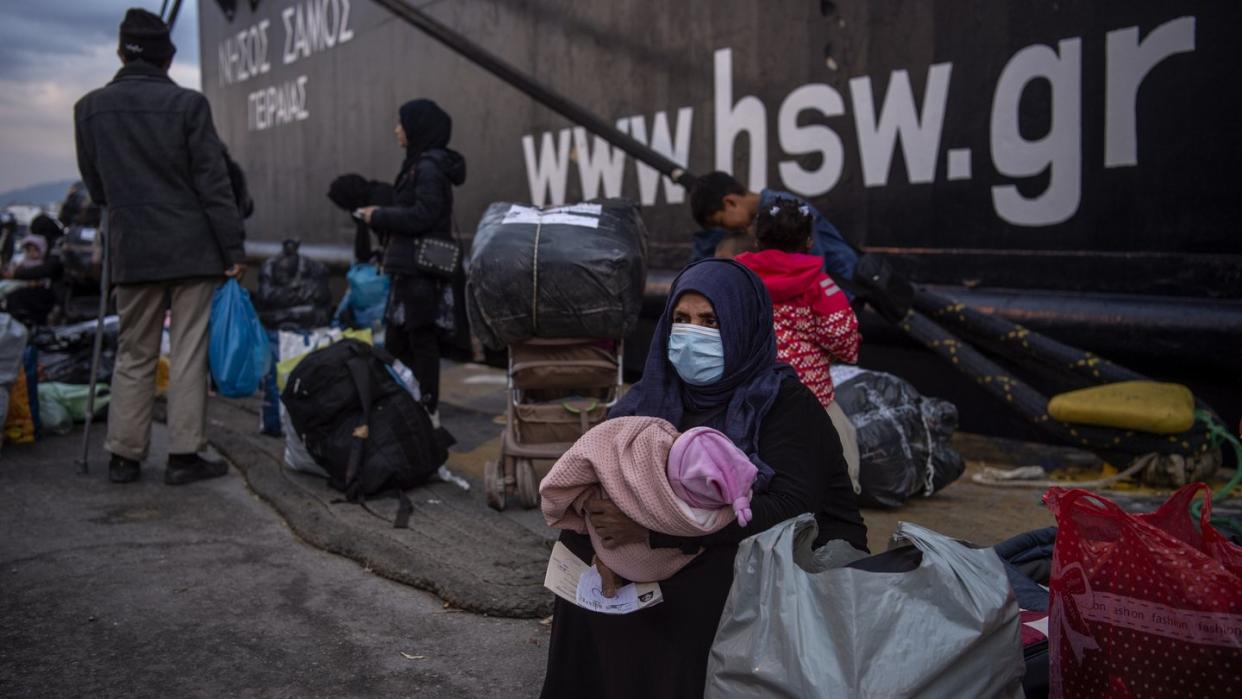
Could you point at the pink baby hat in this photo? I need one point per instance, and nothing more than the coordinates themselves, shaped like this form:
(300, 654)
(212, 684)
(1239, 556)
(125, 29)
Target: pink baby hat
(706, 471)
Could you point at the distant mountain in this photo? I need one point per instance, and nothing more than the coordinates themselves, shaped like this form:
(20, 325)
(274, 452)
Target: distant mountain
(40, 194)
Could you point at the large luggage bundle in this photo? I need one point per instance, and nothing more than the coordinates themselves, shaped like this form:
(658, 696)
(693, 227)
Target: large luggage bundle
(904, 438)
(359, 422)
(568, 271)
(65, 352)
(293, 291)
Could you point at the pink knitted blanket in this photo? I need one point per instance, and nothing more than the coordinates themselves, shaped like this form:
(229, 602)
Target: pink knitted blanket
(626, 459)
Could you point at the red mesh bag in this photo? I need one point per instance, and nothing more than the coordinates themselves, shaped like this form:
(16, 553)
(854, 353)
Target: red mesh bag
(1146, 605)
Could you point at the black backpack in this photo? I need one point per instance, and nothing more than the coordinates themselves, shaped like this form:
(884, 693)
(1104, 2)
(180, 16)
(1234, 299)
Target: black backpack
(360, 424)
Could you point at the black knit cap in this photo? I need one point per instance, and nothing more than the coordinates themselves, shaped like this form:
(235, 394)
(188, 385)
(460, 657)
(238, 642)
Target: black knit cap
(144, 35)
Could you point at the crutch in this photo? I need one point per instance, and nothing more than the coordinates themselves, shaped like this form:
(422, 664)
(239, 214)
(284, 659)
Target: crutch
(99, 332)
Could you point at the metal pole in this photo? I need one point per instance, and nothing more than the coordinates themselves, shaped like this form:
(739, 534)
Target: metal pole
(172, 16)
(163, 8)
(104, 283)
(540, 93)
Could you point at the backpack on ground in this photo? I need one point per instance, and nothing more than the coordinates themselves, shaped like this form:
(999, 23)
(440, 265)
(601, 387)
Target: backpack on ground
(361, 424)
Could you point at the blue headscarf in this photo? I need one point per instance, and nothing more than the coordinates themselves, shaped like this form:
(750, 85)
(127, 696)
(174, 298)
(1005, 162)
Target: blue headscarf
(752, 377)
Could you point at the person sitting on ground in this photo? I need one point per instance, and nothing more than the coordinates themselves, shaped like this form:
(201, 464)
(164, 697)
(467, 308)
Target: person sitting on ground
(815, 325)
(712, 363)
(720, 204)
(37, 269)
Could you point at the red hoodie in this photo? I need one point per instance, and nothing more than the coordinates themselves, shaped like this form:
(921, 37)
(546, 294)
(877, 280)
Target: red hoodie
(814, 322)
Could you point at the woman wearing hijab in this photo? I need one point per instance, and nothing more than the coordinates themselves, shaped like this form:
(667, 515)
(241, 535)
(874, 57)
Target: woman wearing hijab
(422, 207)
(712, 363)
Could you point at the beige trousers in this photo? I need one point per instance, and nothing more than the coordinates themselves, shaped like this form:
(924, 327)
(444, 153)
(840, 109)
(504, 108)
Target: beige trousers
(141, 307)
(849, 441)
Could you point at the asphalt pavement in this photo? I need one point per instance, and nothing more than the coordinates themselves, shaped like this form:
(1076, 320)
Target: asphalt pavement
(201, 590)
(204, 590)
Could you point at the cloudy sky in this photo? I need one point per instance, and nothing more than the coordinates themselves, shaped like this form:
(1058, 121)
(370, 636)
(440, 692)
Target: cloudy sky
(51, 53)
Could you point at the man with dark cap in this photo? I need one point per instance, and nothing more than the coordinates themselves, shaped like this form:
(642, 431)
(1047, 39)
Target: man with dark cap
(149, 155)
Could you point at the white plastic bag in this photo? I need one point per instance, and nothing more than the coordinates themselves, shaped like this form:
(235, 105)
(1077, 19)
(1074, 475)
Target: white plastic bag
(296, 456)
(293, 346)
(802, 623)
(296, 343)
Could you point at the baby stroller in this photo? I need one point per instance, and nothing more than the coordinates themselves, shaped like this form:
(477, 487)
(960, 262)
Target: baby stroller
(558, 389)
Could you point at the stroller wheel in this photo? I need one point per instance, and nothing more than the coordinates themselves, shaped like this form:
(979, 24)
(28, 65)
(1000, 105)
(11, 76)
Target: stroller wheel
(494, 486)
(527, 485)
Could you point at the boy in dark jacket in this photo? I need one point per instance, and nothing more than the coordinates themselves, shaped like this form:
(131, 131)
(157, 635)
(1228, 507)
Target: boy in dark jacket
(720, 204)
(149, 154)
(422, 207)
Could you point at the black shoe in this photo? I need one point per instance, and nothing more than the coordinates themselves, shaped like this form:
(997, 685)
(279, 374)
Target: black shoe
(187, 468)
(123, 470)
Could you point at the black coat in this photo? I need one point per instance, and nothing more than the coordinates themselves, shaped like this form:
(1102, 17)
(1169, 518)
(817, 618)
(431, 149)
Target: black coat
(148, 151)
(422, 206)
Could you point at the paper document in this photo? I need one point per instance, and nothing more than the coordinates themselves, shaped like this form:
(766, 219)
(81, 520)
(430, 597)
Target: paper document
(585, 215)
(574, 581)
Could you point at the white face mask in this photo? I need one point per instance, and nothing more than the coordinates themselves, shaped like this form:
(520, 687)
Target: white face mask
(697, 353)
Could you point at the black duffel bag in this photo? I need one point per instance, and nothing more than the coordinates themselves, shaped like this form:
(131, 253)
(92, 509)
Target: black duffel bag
(361, 424)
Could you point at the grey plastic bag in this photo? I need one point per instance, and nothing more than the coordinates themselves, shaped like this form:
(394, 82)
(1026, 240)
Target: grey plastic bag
(54, 417)
(12, 344)
(803, 623)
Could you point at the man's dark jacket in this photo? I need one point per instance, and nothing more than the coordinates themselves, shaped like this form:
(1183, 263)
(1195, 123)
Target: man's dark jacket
(148, 151)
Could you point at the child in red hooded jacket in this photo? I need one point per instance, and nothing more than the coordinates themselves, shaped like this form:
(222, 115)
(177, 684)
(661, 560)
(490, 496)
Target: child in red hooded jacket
(815, 325)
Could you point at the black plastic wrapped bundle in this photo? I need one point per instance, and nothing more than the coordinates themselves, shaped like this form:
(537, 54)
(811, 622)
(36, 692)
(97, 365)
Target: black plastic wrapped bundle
(567, 271)
(904, 438)
(293, 291)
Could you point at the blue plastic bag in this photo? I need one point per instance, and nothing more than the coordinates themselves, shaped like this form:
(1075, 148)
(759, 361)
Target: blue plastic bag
(237, 349)
(269, 414)
(367, 297)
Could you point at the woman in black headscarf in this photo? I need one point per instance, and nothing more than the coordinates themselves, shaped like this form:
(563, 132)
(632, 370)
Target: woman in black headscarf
(422, 207)
(712, 363)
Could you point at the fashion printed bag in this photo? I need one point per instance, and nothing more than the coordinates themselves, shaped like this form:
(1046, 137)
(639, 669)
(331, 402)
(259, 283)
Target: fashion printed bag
(1145, 605)
(237, 347)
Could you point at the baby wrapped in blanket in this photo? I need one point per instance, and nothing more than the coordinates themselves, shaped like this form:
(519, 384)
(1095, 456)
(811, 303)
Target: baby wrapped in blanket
(687, 485)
